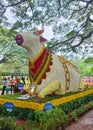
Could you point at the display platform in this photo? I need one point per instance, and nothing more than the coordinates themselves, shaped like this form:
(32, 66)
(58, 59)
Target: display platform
(38, 104)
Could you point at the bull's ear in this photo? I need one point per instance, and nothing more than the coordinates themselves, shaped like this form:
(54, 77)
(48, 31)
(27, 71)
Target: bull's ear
(42, 39)
(38, 32)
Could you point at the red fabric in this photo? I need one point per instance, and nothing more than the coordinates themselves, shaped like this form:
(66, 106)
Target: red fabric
(38, 63)
(38, 68)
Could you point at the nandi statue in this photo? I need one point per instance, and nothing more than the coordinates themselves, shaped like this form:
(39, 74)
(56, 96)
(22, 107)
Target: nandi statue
(48, 73)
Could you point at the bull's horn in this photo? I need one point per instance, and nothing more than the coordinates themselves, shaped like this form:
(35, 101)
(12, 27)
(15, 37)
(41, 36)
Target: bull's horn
(40, 32)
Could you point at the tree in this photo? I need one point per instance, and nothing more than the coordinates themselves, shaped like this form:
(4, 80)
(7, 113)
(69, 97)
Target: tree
(71, 21)
(13, 58)
(85, 66)
(8, 50)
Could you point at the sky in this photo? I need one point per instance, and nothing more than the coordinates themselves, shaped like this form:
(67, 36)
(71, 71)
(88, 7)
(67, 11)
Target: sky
(48, 33)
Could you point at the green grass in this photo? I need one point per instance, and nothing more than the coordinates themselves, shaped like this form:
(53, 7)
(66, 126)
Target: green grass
(10, 96)
(1, 87)
(35, 99)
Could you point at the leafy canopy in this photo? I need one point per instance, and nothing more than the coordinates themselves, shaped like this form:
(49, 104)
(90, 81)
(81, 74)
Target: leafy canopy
(70, 20)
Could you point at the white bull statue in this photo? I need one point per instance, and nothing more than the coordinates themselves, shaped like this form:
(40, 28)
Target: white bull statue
(48, 73)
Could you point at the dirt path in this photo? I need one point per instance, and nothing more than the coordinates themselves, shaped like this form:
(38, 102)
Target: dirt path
(84, 123)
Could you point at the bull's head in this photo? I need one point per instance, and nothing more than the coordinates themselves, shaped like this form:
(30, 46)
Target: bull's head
(31, 37)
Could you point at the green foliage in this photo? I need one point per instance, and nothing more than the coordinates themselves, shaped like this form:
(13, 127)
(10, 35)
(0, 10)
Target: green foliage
(1, 123)
(42, 120)
(50, 119)
(8, 123)
(78, 112)
(81, 110)
(20, 113)
(13, 55)
(71, 33)
(91, 104)
(30, 125)
(14, 74)
(74, 115)
(85, 66)
(70, 106)
(89, 60)
(19, 127)
(71, 28)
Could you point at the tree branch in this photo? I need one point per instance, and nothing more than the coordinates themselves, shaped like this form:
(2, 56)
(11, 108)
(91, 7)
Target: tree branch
(3, 12)
(59, 3)
(87, 36)
(3, 60)
(11, 5)
(90, 1)
(83, 38)
(67, 4)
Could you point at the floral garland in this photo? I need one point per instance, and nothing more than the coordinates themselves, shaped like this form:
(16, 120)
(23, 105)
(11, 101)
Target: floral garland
(40, 65)
(67, 73)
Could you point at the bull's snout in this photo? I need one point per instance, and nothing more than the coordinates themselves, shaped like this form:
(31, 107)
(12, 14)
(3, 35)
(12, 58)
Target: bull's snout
(19, 39)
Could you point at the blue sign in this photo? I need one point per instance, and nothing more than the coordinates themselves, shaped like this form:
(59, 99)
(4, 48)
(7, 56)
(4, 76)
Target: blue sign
(20, 85)
(48, 106)
(9, 106)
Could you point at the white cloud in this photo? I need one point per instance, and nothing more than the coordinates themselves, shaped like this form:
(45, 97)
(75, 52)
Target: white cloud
(48, 33)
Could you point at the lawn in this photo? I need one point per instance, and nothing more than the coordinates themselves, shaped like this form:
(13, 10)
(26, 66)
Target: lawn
(1, 87)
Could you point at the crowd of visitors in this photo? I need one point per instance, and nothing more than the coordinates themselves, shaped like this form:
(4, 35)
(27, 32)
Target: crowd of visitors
(88, 81)
(11, 84)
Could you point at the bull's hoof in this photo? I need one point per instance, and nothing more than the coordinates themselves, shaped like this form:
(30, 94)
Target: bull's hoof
(40, 96)
(80, 89)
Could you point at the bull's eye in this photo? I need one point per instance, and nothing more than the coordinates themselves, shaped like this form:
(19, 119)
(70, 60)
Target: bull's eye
(19, 39)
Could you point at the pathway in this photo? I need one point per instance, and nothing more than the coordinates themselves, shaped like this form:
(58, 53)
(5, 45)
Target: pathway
(84, 123)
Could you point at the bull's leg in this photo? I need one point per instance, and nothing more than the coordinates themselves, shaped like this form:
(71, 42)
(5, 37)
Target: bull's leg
(54, 86)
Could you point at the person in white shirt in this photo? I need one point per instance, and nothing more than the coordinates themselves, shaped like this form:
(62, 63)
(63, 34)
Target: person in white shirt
(12, 82)
(8, 85)
(4, 86)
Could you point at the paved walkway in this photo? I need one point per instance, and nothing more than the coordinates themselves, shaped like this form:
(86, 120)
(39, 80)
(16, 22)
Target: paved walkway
(84, 123)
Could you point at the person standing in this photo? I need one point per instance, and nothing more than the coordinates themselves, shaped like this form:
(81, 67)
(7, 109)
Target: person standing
(8, 85)
(23, 80)
(12, 82)
(4, 86)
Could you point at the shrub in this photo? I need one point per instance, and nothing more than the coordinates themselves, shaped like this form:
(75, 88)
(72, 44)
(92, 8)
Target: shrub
(50, 119)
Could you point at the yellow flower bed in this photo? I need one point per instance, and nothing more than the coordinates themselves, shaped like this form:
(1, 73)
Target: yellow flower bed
(55, 102)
